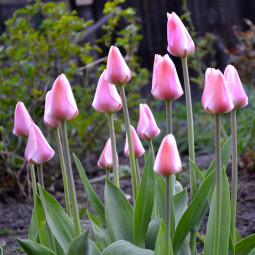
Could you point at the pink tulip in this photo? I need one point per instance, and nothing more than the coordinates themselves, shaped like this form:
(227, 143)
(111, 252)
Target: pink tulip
(51, 123)
(168, 160)
(216, 98)
(180, 44)
(138, 147)
(235, 88)
(37, 151)
(147, 127)
(117, 71)
(62, 105)
(165, 82)
(22, 120)
(107, 98)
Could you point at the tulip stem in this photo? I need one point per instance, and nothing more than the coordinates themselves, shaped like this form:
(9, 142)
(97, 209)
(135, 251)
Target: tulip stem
(76, 217)
(130, 141)
(169, 117)
(63, 170)
(234, 174)
(33, 178)
(190, 125)
(168, 213)
(152, 149)
(218, 186)
(138, 176)
(114, 150)
(40, 174)
(107, 174)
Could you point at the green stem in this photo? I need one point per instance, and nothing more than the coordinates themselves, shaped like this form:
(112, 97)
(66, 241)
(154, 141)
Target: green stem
(76, 217)
(168, 210)
(40, 174)
(138, 176)
(190, 141)
(107, 174)
(114, 150)
(218, 186)
(33, 178)
(234, 174)
(152, 149)
(169, 117)
(130, 141)
(63, 170)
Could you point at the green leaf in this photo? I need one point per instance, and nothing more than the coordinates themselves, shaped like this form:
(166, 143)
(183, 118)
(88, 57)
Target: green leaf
(226, 152)
(79, 245)
(93, 249)
(194, 213)
(41, 223)
(58, 221)
(1, 250)
(33, 227)
(180, 201)
(125, 248)
(152, 233)
(252, 252)
(144, 203)
(94, 199)
(225, 220)
(245, 246)
(118, 214)
(160, 243)
(160, 187)
(99, 232)
(198, 171)
(33, 248)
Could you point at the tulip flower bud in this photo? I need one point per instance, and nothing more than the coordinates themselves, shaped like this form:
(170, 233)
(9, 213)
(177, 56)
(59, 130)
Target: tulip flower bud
(216, 98)
(107, 98)
(37, 151)
(165, 82)
(51, 123)
(168, 160)
(105, 161)
(62, 105)
(147, 127)
(235, 88)
(117, 71)
(180, 44)
(22, 120)
(138, 147)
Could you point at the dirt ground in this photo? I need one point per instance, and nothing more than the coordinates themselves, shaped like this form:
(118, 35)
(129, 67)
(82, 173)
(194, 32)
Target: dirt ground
(15, 213)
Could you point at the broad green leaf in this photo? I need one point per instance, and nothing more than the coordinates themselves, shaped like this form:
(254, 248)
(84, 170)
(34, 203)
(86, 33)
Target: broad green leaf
(101, 236)
(177, 187)
(252, 252)
(144, 203)
(58, 221)
(33, 227)
(160, 187)
(119, 214)
(225, 220)
(79, 245)
(198, 171)
(94, 199)
(245, 246)
(125, 248)
(33, 248)
(160, 243)
(180, 201)
(194, 213)
(41, 223)
(152, 233)
(226, 152)
(1, 250)
(93, 250)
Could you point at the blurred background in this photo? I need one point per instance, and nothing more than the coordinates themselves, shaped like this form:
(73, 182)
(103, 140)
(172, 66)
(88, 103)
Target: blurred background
(41, 39)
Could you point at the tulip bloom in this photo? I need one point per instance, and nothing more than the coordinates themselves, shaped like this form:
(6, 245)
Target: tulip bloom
(235, 88)
(62, 105)
(22, 120)
(138, 147)
(37, 151)
(51, 123)
(107, 98)
(105, 161)
(147, 127)
(180, 43)
(168, 160)
(117, 70)
(165, 82)
(216, 98)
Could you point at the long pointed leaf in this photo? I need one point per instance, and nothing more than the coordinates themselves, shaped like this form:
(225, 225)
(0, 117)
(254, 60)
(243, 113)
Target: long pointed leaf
(152, 233)
(33, 227)
(94, 199)
(245, 246)
(144, 203)
(160, 187)
(79, 245)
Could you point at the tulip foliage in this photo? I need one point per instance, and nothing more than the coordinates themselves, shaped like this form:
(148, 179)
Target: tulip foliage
(160, 220)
